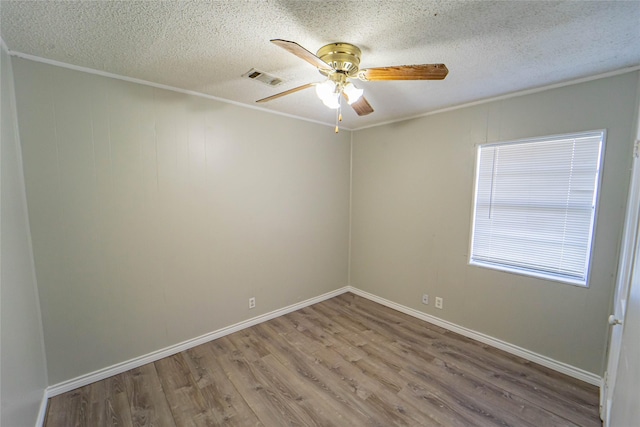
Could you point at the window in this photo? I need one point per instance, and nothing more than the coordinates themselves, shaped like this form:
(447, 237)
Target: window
(535, 205)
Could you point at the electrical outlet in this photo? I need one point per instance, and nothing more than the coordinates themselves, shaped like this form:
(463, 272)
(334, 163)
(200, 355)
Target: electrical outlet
(439, 302)
(252, 302)
(425, 299)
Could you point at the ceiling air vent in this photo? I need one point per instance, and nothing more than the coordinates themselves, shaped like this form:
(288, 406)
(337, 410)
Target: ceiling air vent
(265, 78)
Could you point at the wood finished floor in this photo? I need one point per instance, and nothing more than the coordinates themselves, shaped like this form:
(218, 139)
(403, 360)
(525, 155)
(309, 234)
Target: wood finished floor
(344, 362)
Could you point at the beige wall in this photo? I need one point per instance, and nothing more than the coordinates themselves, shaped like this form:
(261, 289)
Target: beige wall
(412, 201)
(155, 215)
(23, 372)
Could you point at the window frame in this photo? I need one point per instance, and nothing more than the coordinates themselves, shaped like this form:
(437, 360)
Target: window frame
(594, 218)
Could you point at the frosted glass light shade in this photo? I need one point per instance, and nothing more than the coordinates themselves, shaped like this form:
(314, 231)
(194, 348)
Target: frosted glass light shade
(326, 91)
(332, 101)
(352, 93)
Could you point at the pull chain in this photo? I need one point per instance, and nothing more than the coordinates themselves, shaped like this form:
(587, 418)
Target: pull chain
(339, 114)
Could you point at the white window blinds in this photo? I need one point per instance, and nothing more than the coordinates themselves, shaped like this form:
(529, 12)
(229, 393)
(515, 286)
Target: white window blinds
(535, 203)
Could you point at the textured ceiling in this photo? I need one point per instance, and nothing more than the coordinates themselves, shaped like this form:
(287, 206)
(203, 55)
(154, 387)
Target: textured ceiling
(491, 48)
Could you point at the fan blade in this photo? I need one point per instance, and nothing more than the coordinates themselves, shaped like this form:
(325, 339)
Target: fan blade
(286, 92)
(300, 52)
(361, 106)
(405, 72)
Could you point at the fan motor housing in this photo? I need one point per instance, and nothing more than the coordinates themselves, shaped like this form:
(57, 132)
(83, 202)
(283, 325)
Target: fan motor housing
(342, 57)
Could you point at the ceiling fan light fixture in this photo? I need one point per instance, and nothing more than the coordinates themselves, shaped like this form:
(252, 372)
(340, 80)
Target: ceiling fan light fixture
(340, 62)
(353, 93)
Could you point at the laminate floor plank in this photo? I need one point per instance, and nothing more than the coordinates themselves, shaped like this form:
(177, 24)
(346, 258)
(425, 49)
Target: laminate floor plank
(415, 345)
(447, 397)
(95, 402)
(228, 406)
(511, 381)
(424, 367)
(299, 398)
(315, 331)
(266, 369)
(252, 392)
(264, 398)
(116, 407)
(253, 346)
(147, 400)
(538, 375)
(382, 384)
(332, 411)
(346, 361)
(315, 374)
(484, 398)
(463, 352)
(378, 397)
(303, 367)
(188, 406)
(63, 409)
(83, 406)
(570, 388)
(389, 408)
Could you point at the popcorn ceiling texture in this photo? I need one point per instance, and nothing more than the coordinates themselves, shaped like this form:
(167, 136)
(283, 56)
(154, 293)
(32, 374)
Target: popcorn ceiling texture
(490, 47)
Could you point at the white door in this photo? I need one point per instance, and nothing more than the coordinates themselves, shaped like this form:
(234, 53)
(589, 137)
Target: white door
(624, 410)
(625, 269)
(629, 261)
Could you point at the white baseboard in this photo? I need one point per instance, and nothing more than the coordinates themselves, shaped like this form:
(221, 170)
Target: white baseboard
(118, 368)
(42, 412)
(107, 372)
(561, 367)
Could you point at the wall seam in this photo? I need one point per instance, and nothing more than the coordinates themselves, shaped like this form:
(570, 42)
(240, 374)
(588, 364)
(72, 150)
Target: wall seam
(350, 207)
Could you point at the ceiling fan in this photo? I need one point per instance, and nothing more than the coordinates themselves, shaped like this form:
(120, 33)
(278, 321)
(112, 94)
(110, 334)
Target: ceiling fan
(340, 62)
